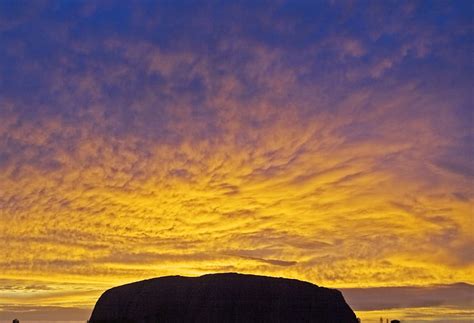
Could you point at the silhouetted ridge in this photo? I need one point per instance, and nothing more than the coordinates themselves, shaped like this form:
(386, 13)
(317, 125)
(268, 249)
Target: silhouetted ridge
(222, 298)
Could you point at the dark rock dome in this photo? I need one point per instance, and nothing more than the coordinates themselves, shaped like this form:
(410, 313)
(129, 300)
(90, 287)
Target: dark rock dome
(222, 298)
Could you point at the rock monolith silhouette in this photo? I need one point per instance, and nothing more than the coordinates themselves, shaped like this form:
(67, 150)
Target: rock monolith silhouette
(222, 298)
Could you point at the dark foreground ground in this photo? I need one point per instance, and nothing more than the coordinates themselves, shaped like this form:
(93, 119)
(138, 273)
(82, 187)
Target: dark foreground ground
(222, 298)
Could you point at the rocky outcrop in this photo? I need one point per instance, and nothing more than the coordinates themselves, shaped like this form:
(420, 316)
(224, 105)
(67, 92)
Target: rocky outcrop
(222, 298)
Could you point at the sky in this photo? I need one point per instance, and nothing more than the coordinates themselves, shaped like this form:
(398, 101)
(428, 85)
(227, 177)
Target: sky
(327, 141)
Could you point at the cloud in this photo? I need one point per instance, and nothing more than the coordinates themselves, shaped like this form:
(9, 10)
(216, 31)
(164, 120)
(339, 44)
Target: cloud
(312, 141)
(274, 262)
(455, 295)
(45, 313)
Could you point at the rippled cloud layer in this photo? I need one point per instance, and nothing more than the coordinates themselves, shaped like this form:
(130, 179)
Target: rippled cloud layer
(330, 142)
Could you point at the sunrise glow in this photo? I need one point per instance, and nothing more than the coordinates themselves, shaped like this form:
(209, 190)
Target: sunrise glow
(324, 141)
